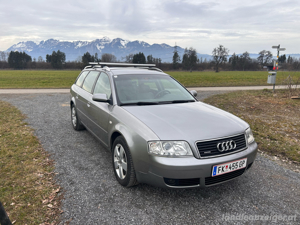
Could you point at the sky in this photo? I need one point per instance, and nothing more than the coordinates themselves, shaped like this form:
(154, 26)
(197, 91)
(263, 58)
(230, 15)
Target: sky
(238, 25)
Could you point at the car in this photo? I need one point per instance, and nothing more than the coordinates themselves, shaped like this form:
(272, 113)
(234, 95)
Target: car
(157, 131)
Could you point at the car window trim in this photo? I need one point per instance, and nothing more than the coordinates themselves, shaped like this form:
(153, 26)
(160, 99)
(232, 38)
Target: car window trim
(83, 79)
(94, 81)
(92, 90)
(110, 83)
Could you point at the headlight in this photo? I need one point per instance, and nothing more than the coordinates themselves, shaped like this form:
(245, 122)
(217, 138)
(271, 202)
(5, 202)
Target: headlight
(249, 136)
(169, 148)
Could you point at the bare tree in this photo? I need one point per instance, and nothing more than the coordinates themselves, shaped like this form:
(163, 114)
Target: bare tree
(220, 55)
(3, 57)
(78, 59)
(106, 57)
(264, 57)
(40, 59)
(128, 58)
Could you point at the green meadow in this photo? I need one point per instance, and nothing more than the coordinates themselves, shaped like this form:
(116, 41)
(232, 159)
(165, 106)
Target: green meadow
(65, 78)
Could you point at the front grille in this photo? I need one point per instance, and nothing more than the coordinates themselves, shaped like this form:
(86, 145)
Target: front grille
(182, 182)
(209, 149)
(224, 177)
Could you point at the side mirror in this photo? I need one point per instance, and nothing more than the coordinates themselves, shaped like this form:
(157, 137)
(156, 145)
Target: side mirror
(194, 93)
(100, 98)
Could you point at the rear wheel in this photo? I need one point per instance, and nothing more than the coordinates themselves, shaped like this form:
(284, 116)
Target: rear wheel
(122, 163)
(74, 119)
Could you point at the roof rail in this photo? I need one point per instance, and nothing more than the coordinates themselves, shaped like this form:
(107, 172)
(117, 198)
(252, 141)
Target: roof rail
(121, 64)
(154, 68)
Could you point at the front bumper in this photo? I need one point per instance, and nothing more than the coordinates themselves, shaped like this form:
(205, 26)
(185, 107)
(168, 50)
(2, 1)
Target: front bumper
(191, 172)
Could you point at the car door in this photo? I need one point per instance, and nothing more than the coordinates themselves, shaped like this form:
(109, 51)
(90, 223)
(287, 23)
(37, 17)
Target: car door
(99, 111)
(85, 98)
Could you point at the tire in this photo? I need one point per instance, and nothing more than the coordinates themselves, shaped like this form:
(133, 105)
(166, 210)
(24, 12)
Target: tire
(122, 163)
(76, 124)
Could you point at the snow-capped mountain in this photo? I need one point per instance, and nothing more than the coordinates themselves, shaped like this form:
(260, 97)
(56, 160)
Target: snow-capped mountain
(119, 47)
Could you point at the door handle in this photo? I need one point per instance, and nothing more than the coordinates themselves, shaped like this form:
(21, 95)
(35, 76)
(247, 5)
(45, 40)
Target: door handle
(76, 96)
(88, 104)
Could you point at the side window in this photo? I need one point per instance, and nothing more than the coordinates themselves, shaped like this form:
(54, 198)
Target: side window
(103, 85)
(81, 78)
(89, 81)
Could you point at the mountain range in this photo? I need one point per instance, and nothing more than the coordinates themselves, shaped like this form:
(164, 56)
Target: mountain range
(118, 47)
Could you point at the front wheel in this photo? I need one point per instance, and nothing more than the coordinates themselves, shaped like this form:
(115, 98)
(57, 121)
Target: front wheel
(74, 119)
(122, 163)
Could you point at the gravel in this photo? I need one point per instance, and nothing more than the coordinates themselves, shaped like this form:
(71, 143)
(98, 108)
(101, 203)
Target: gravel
(93, 196)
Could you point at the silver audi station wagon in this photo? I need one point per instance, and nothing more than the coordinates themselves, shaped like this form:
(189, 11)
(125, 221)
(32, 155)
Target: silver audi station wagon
(157, 131)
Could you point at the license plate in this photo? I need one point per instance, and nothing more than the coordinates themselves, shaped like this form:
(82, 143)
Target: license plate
(229, 167)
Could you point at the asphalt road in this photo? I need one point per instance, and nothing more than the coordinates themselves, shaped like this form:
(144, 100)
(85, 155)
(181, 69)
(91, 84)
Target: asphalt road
(93, 196)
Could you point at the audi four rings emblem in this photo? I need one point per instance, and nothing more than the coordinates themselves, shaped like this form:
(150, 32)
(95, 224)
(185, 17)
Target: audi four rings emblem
(226, 145)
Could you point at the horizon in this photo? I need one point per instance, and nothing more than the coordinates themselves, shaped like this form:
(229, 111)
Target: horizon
(111, 39)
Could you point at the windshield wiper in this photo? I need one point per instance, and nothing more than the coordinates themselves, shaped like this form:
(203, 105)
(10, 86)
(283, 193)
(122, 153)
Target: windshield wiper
(156, 103)
(139, 103)
(176, 101)
(182, 101)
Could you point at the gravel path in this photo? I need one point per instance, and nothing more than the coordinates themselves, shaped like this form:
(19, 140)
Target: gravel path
(93, 196)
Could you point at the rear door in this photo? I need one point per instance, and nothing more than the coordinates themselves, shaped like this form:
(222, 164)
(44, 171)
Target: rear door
(77, 92)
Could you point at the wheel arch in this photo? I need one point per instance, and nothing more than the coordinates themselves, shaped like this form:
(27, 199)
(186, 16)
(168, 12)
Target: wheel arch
(113, 137)
(72, 102)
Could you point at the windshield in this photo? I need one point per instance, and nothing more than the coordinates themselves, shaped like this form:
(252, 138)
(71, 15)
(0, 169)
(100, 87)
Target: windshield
(149, 89)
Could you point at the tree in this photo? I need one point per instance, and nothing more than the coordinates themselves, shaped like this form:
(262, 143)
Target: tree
(139, 58)
(129, 58)
(282, 59)
(96, 57)
(48, 58)
(176, 58)
(40, 59)
(245, 60)
(290, 60)
(157, 61)
(57, 59)
(234, 60)
(189, 58)
(193, 59)
(150, 59)
(18, 60)
(264, 57)
(185, 59)
(3, 57)
(106, 57)
(220, 55)
(86, 58)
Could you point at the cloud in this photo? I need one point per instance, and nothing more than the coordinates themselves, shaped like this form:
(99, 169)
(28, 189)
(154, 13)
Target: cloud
(201, 24)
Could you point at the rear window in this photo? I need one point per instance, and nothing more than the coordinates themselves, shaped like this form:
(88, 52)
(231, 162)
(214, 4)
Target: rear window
(89, 81)
(81, 78)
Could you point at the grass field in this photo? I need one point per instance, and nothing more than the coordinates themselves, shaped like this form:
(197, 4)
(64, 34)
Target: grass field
(65, 78)
(274, 119)
(27, 190)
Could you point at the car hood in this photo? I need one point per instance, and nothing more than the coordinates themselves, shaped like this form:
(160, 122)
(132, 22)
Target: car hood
(188, 121)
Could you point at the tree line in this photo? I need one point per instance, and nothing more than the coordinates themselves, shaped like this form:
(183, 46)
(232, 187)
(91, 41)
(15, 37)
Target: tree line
(220, 60)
